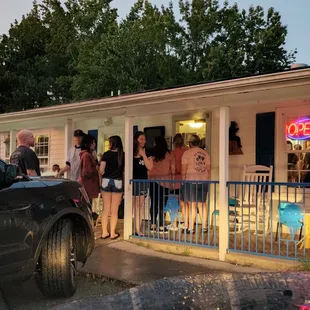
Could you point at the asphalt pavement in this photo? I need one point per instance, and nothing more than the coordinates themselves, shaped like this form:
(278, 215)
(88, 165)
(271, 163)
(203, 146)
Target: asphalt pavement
(27, 296)
(226, 291)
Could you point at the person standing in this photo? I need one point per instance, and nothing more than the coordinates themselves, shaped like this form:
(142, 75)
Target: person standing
(196, 166)
(141, 165)
(112, 170)
(73, 162)
(88, 168)
(178, 151)
(163, 169)
(24, 157)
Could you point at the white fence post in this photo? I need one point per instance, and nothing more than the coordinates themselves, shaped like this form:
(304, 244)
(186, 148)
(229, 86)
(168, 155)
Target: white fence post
(13, 134)
(223, 178)
(68, 140)
(128, 176)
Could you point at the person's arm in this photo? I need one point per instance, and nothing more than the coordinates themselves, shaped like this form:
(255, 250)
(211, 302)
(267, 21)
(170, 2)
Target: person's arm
(102, 167)
(86, 167)
(208, 165)
(31, 173)
(67, 167)
(172, 167)
(148, 161)
(184, 166)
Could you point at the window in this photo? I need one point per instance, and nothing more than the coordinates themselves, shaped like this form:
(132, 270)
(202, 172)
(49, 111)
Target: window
(298, 149)
(42, 151)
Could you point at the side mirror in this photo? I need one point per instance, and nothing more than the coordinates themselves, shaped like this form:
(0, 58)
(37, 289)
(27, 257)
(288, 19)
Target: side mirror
(10, 174)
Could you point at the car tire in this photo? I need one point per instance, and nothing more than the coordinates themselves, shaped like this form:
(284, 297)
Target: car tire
(58, 261)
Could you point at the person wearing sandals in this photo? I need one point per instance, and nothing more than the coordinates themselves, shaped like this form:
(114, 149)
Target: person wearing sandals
(141, 165)
(163, 169)
(195, 167)
(112, 170)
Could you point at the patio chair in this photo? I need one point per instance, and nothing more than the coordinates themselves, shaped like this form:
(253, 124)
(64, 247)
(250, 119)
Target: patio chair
(172, 207)
(290, 215)
(253, 197)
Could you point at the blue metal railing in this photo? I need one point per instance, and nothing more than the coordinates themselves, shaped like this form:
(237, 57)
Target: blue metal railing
(175, 211)
(268, 219)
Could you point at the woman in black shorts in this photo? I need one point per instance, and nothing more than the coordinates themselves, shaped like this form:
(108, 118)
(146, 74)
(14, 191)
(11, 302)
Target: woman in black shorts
(112, 170)
(141, 164)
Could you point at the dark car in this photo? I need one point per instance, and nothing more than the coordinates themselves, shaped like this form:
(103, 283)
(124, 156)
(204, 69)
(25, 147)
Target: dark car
(46, 227)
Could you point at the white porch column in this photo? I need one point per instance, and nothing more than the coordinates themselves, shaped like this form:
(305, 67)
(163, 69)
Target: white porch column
(128, 176)
(223, 178)
(13, 134)
(68, 139)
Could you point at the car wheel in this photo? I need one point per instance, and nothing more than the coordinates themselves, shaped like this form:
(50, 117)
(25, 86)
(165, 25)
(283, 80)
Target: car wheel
(58, 261)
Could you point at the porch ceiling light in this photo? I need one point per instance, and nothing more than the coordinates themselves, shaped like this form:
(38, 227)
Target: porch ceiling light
(196, 125)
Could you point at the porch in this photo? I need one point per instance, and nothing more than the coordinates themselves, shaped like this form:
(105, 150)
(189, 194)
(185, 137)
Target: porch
(219, 103)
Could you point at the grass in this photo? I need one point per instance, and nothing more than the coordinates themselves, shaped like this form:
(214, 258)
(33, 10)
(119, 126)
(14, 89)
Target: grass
(186, 252)
(304, 265)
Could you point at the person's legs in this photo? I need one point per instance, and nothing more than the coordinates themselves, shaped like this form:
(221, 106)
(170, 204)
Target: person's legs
(154, 202)
(106, 197)
(138, 205)
(116, 201)
(163, 198)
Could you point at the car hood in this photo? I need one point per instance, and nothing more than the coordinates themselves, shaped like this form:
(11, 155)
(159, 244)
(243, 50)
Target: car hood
(37, 182)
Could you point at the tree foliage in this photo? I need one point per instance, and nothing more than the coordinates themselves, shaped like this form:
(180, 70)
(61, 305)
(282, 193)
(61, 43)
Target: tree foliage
(80, 49)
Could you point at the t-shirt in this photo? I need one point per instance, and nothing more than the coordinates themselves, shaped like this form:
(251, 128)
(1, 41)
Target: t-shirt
(74, 162)
(112, 169)
(163, 170)
(139, 170)
(198, 164)
(26, 159)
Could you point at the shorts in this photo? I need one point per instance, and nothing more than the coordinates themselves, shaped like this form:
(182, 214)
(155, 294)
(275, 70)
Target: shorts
(112, 186)
(139, 189)
(195, 192)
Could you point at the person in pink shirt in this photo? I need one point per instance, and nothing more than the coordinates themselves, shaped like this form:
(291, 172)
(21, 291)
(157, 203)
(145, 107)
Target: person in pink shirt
(163, 169)
(196, 167)
(178, 151)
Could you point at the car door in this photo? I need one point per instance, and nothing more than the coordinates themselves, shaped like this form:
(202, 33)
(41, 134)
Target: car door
(15, 229)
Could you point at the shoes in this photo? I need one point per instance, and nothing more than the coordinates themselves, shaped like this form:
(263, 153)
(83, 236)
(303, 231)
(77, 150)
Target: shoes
(117, 236)
(106, 237)
(163, 230)
(138, 234)
(174, 228)
(188, 231)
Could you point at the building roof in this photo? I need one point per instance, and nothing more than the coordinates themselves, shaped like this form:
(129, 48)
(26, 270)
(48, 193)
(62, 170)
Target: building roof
(299, 76)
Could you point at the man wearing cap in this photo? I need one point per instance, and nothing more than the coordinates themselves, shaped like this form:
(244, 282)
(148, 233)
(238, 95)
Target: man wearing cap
(73, 162)
(196, 166)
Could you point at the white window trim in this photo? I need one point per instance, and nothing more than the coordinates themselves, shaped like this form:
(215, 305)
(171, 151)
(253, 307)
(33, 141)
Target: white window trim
(47, 166)
(281, 151)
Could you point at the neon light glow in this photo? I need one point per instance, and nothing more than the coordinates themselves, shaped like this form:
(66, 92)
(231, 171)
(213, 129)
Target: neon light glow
(299, 130)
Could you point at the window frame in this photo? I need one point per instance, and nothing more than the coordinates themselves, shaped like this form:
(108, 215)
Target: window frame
(44, 167)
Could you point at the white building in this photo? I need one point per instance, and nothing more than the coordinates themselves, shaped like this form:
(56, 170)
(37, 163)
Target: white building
(262, 105)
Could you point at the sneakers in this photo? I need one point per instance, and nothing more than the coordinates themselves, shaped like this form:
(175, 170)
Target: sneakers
(188, 231)
(163, 230)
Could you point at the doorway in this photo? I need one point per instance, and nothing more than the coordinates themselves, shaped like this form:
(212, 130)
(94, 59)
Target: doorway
(189, 127)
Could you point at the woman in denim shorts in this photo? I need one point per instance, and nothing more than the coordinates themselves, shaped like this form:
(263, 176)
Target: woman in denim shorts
(112, 171)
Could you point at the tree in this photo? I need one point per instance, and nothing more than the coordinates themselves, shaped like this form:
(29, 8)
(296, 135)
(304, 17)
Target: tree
(133, 56)
(77, 49)
(24, 82)
(225, 42)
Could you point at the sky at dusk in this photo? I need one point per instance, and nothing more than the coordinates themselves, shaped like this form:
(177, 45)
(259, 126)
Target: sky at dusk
(294, 15)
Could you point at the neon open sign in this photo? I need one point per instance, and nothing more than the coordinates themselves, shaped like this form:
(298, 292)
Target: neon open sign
(299, 130)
